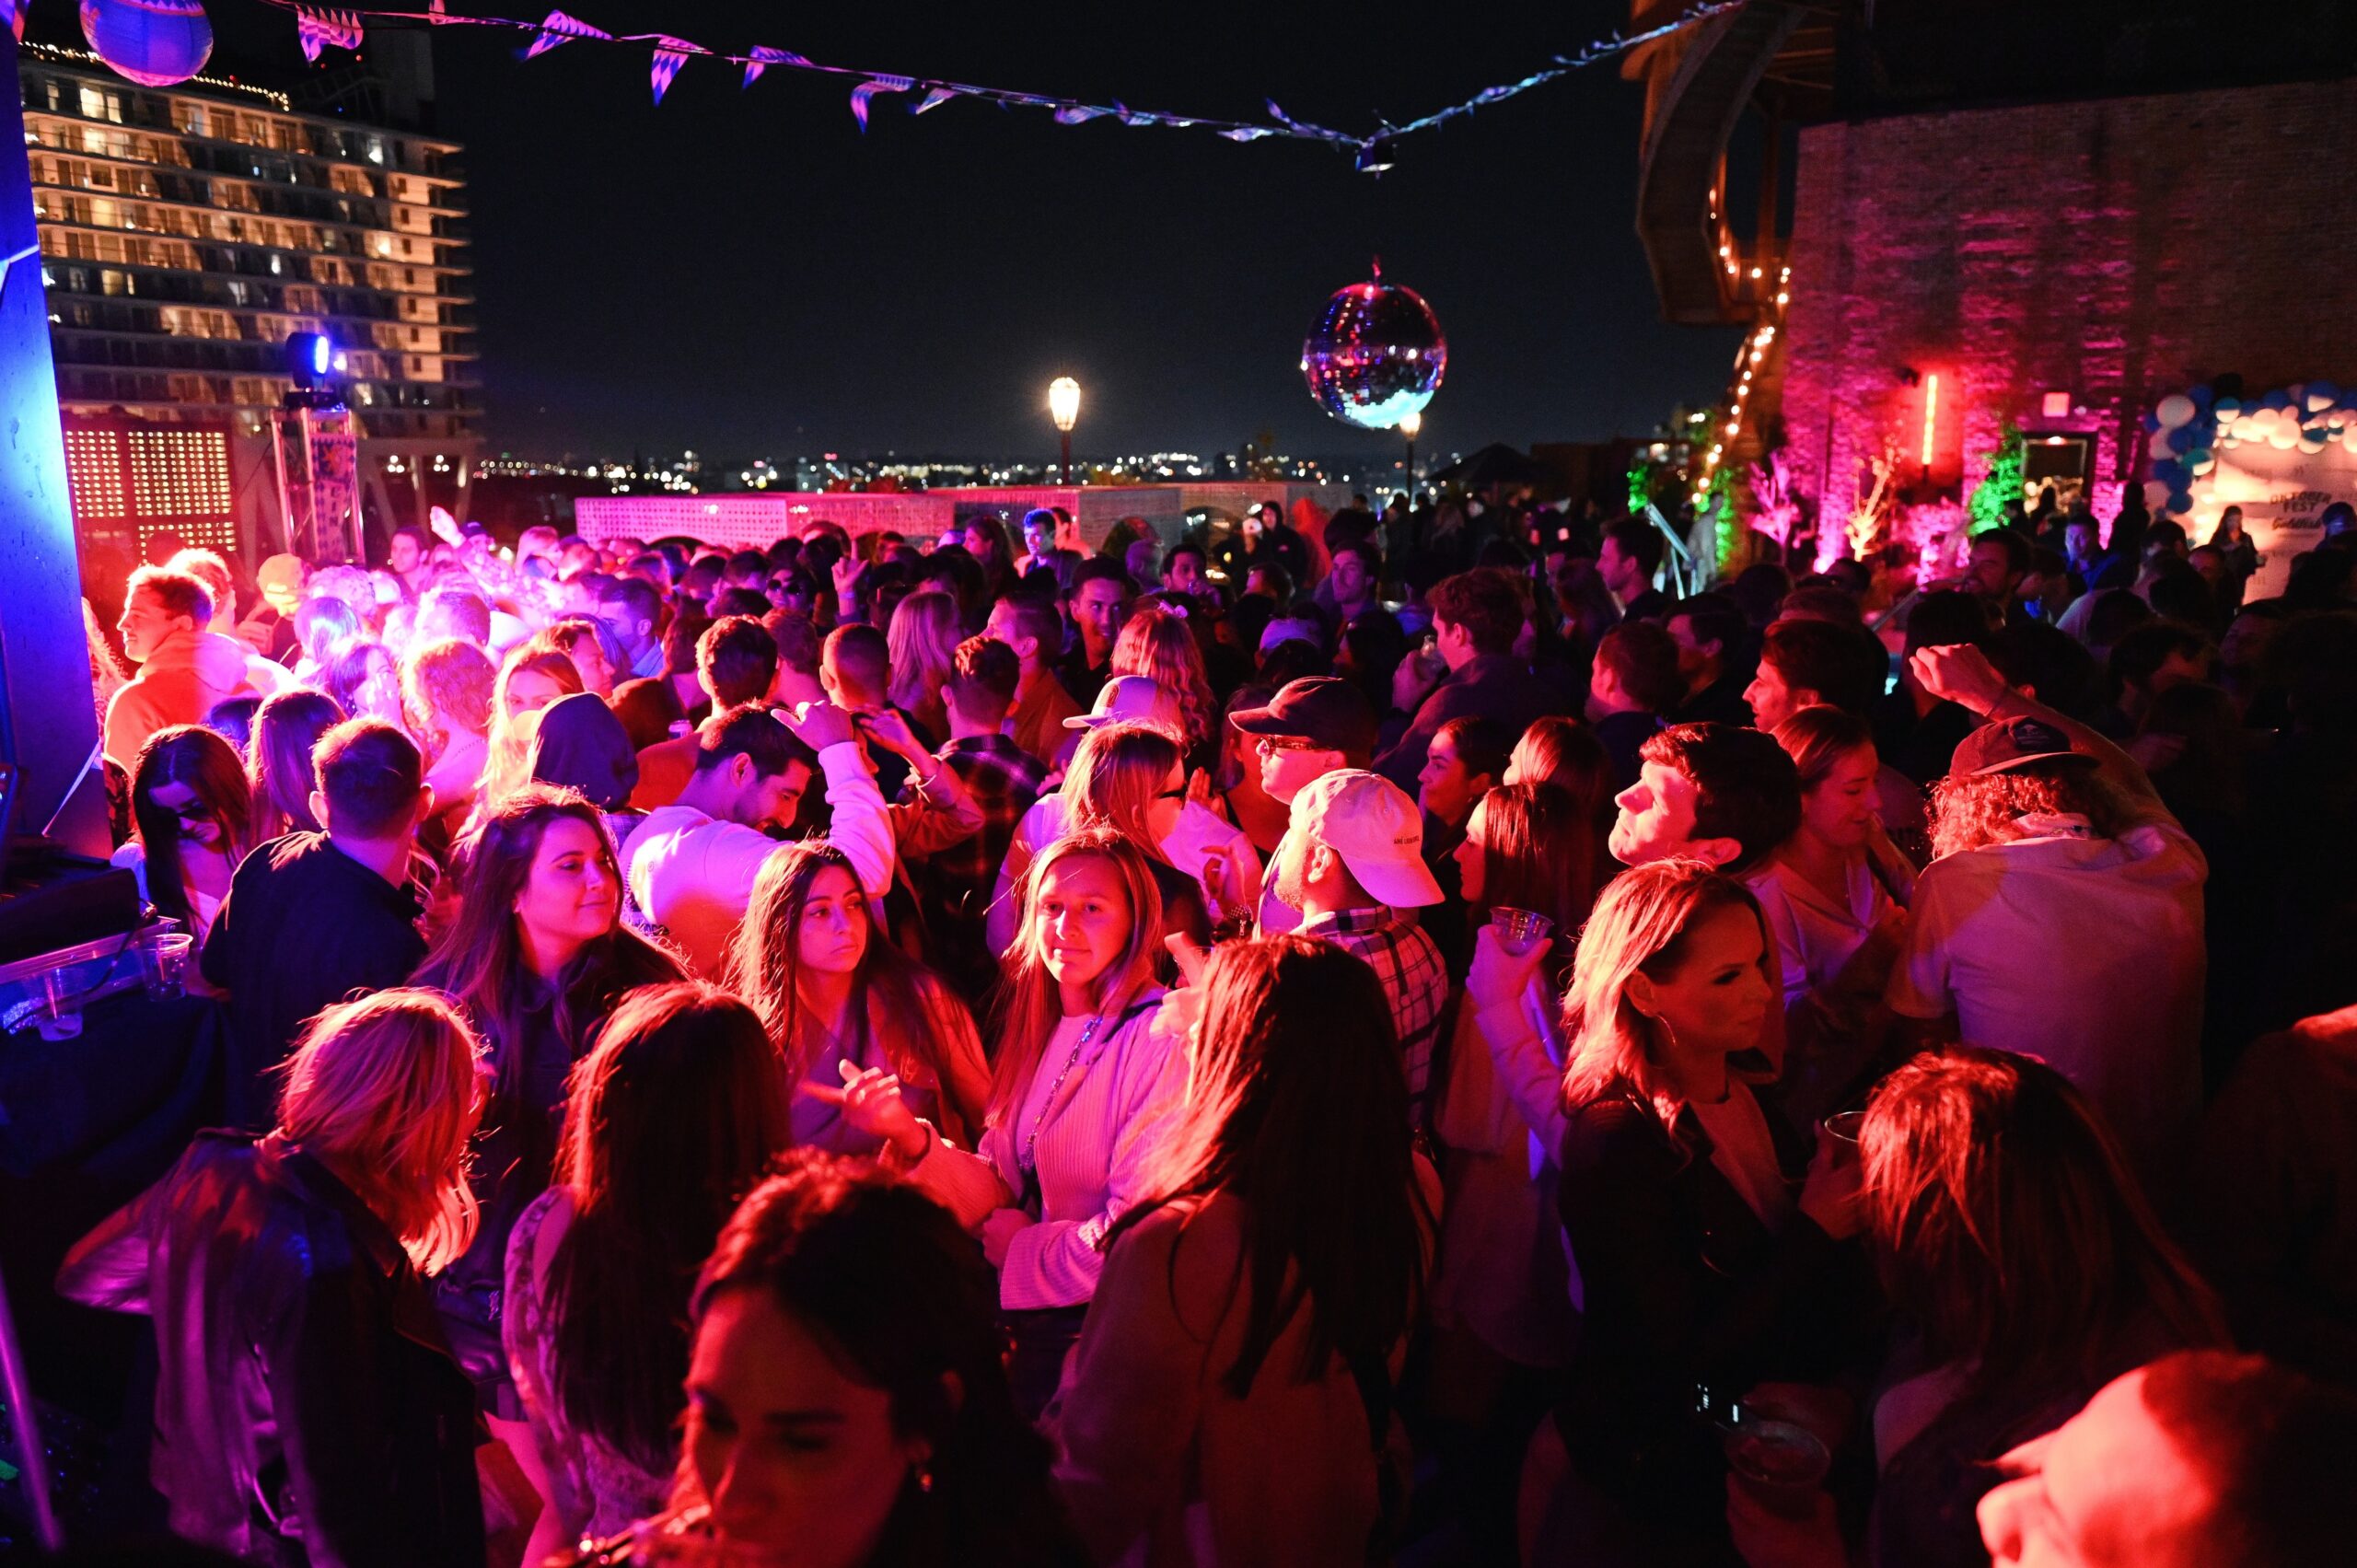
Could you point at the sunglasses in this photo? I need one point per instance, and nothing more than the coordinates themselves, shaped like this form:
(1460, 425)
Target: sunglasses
(1288, 743)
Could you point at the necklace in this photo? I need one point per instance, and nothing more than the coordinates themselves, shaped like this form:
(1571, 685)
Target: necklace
(1031, 1144)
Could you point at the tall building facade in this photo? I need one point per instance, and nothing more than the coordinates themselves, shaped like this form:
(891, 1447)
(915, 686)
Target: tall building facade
(186, 233)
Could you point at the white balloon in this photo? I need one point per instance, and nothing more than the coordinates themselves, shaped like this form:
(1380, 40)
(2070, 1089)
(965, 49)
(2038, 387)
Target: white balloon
(2158, 447)
(2176, 409)
(2156, 495)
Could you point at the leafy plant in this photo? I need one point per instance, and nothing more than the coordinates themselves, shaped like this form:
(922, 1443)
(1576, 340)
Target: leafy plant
(2000, 489)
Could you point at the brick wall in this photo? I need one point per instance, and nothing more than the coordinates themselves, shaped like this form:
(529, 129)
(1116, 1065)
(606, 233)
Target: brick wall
(2116, 250)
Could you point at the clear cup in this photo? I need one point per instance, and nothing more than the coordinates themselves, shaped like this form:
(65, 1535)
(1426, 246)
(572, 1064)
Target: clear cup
(61, 1005)
(1520, 930)
(1781, 1463)
(1846, 1125)
(163, 962)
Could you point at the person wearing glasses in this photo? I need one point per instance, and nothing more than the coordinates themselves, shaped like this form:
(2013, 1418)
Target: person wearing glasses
(1313, 726)
(1209, 872)
(191, 821)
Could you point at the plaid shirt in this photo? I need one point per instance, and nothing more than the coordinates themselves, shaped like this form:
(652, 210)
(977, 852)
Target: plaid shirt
(955, 882)
(1408, 962)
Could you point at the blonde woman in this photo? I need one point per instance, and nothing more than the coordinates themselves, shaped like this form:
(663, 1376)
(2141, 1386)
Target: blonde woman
(1083, 1082)
(1130, 777)
(1700, 1249)
(447, 687)
(283, 1274)
(1158, 644)
(922, 640)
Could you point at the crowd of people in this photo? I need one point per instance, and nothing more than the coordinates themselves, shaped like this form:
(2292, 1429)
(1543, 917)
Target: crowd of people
(1375, 1037)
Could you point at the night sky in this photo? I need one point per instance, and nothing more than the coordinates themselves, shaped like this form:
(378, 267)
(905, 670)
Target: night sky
(746, 273)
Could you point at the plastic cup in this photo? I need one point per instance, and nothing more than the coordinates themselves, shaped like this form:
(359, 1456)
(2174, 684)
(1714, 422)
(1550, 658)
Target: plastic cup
(1520, 930)
(163, 963)
(61, 1006)
(1846, 1125)
(1780, 1462)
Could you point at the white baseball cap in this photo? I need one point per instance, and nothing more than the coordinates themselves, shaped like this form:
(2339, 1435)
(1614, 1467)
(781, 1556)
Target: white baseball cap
(1378, 830)
(1131, 699)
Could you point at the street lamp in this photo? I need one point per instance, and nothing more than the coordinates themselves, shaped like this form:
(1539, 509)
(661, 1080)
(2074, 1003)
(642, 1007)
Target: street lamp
(1410, 424)
(1063, 407)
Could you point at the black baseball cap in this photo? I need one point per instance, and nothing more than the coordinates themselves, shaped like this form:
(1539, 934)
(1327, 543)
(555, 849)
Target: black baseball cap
(1324, 709)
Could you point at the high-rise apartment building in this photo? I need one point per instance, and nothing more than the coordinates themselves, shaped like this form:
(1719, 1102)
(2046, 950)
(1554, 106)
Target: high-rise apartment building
(187, 232)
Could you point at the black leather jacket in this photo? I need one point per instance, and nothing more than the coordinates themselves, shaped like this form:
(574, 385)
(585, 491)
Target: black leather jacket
(307, 1409)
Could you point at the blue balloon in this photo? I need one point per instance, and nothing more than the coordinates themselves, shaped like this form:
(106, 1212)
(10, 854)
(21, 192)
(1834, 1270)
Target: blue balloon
(2229, 408)
(2325, 389)
(2169, 471)
(2196, 457)
(2182, 438)
(2276, 398)
(2202, 395)
(2180, 501)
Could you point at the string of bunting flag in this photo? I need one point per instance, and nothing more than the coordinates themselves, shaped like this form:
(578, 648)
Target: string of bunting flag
(319, 27)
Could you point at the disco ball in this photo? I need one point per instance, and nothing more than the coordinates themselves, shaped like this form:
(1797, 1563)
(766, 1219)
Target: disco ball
(154, 42)
(1375, 355)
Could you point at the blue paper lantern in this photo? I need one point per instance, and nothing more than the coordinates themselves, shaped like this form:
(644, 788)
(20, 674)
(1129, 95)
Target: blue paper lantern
(1376, 354)
(153, 43)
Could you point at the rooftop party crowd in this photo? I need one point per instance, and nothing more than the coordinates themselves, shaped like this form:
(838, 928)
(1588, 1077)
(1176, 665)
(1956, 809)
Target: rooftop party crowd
(1370, 1037)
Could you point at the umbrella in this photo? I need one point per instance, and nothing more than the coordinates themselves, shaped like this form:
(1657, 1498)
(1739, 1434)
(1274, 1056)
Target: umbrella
(1496, 464)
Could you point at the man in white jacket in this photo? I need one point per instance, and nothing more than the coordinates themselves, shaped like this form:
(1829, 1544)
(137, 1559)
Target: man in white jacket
(691, 866)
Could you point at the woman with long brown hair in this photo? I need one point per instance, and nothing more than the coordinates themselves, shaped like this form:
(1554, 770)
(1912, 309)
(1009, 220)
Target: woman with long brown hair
(1565, 753)
(1698, 1262)
(670, 1120)
(2027, 1271)
(1081, 1082)
(1504, 1302)
(192, 822)
(1259, 1303)
(535, 955)
(299, 1417)
(840, 999)
(280, 777)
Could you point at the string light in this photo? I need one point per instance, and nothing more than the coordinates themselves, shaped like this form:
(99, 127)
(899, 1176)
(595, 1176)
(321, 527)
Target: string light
(82, 56)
